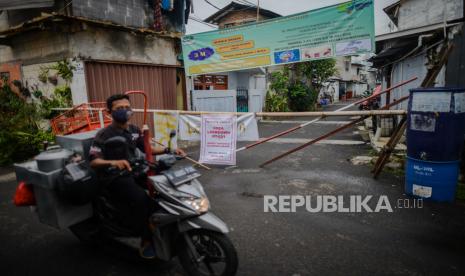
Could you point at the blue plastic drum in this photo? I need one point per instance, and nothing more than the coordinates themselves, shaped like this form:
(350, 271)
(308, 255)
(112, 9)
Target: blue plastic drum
(436, 124)
(432, 180)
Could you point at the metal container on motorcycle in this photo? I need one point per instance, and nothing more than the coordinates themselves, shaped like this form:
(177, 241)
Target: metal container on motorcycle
(52, 159)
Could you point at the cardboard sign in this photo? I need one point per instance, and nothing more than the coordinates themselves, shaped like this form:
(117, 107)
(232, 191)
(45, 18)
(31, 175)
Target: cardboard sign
(218, 139)
(247, 129)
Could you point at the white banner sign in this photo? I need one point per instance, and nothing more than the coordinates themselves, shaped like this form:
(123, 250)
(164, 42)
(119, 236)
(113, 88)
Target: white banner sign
(247, 129)
(218, 139)
(164, 124)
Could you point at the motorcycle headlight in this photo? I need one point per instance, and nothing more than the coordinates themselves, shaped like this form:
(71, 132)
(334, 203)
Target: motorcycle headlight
(200, 205)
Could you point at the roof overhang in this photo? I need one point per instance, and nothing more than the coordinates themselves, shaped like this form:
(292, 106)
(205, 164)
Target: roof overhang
(39, 23)
(25, 4)
(233, 6)
(412, 32)
(394, 47)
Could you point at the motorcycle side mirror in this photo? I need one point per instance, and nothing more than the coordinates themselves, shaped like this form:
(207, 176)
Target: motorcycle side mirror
(116, 148)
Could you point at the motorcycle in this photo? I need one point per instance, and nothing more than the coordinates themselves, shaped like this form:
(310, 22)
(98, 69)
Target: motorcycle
(66, 194)
(184, 227)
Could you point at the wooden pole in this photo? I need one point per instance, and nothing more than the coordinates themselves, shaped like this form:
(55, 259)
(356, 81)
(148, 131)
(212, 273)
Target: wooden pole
(187, 157)
(389, 148)
(258, 10)
(322, 116)
(273, 114)
(429, 80)
(328, 134)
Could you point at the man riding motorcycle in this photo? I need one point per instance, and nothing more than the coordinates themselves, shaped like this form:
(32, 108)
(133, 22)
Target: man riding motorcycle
(124, 190)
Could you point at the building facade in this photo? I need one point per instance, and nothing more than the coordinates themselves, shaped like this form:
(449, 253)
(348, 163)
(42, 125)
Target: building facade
(422, 28)
(113, 46)
(242, 90)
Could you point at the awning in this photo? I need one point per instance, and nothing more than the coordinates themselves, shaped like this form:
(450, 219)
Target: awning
(25, 4)
(38, 23)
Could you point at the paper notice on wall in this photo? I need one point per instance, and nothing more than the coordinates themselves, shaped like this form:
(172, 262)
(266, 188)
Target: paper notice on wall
(165, 123)
(422, 191)
(422, 122)
(432, 101)
(247, 129)
(218, 139)
(459, 102)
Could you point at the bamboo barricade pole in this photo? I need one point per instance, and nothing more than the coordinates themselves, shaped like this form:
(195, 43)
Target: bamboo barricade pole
(389, 148)
(317, 119)
(330, 133)
(271, 114)
(428, 81)
(187, 157)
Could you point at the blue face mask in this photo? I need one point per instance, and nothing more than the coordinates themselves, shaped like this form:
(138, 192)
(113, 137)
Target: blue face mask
(121, 115)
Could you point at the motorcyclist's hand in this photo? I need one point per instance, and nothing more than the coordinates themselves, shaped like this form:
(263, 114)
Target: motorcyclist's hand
(121, 164)
(180, 152)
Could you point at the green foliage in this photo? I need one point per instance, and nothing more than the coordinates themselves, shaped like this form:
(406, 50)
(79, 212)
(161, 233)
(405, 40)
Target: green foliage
(276, 102)
(317, 72)
(302, 97)
(298, 90)
(461, 191)
(276, 98)
(64, 69)
(20, 134)
(280, 81)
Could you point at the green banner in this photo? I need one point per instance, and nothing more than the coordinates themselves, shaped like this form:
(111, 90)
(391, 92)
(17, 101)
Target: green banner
(340, 30)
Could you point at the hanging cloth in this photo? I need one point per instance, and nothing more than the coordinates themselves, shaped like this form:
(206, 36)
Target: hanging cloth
(158, 24)
(167, 5)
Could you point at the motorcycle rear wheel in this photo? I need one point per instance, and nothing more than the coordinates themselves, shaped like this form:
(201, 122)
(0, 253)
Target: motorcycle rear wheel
(87, 232)
(213, 248)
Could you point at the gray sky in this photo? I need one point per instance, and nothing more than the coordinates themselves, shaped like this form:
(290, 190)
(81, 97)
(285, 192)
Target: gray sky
(284, 7)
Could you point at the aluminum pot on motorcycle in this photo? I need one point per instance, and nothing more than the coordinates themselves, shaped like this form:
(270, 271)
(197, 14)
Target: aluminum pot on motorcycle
(52, 159)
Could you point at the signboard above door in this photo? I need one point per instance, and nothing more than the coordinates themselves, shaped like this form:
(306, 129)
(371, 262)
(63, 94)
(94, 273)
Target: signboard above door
(340, 30)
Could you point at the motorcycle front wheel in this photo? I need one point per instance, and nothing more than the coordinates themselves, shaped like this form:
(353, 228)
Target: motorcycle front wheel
(216, 254)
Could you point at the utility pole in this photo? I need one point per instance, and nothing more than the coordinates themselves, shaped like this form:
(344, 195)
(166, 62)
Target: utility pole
(258, 9)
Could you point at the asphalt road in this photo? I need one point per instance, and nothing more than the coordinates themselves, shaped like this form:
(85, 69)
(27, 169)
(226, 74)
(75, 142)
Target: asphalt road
(421, 241)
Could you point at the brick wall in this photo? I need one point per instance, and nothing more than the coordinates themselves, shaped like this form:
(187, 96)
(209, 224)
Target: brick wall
(12, 69)
(238, 17)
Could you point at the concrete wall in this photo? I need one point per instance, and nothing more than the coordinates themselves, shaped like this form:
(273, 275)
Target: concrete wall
(105, 44)
(94, 43)
(136, 13)
(30, 78)
(456, 62)
(4, 21)
(418, 13)
(30, 75)
(78, 84)
(408, 68)
(342, 73)
(37, 49)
